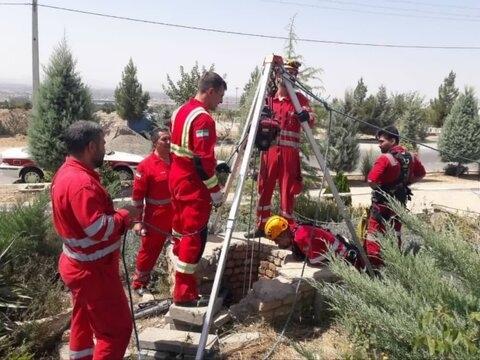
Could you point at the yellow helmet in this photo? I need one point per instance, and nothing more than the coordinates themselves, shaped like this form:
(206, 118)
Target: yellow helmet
(274, 226)
(292, 64)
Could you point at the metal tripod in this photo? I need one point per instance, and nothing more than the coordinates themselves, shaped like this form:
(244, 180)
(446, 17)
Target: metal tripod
(271, 64)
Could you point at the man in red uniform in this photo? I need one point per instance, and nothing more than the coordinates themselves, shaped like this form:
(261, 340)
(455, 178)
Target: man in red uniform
(151, 196)
(281, 162)
(391, 173)
(309, 241)
(91, 230)
(193, 183)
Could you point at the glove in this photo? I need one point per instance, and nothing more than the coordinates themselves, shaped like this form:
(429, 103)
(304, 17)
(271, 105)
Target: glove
(303, 116)
(223, 168)
(266, 112)
(217, 198)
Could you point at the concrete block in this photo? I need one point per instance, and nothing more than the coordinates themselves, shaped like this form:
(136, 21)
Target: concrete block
(193, 315)
(234, 342)
(179, 342)
(154, 355)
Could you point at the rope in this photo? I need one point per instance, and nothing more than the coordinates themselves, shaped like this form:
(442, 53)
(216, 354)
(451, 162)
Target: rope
(292, 309)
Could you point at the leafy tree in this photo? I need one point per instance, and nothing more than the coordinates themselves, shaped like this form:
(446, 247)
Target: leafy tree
(344, 150)
(130, 100)
(382, 114)
(62, 99)
(441, 106)
(186, 87)
(461, 131)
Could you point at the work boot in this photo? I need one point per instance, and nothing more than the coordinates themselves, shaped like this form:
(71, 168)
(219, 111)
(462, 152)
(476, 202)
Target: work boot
(200, 302)
(255, 234)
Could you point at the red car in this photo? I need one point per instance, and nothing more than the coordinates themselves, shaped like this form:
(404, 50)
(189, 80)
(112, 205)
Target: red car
(18, 160)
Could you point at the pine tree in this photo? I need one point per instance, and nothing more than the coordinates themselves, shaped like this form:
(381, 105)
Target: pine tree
(344, 150)
(130, 100)
(441, 106)
(461, 131)
(187, 86)
(307, 73)
(62, 99)
(249, 88)
(382, 114)
(413, 122)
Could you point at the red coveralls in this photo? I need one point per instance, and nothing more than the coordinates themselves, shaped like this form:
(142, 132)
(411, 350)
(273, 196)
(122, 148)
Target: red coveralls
(151, 186)
(192, 179)
(386, 171)
(281, 162)
(315, 242)
(91, 230)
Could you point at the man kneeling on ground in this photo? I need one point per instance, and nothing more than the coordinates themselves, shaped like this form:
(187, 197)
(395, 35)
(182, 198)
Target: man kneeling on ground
(312, 242)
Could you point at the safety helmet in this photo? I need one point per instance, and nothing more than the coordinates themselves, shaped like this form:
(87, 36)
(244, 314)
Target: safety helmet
(274, 226)
(292, 64)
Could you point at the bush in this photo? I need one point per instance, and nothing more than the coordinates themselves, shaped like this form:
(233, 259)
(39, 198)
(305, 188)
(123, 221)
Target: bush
(14, 122)
(310, 210)
(420, 307)
(341, 182)
(455, 169)
(110, 180)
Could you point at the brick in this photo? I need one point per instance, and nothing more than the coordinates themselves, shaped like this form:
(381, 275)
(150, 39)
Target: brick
(180, 342)
(191, 315)
(272, 266)
(277, 261)
(271, 258)
(270, 273)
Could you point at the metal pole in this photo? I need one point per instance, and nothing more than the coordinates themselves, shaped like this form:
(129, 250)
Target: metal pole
(236, 202)
(35, 58)
(235, 165)
(328, 177)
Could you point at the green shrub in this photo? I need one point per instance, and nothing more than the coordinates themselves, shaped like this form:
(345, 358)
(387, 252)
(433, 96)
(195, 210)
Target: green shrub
(366, 163)
(420, 307)
(341, 182)
(110, 180)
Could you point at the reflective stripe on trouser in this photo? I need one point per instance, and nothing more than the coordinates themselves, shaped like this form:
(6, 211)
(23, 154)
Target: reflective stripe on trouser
(278, 165)
(100, 308)
(190, 218)
(151, 244)
(376, 225)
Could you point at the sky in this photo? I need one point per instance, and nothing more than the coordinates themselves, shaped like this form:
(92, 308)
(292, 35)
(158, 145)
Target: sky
(103, 46)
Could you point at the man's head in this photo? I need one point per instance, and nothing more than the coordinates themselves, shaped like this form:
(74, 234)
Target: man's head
(387, 138)
(291, 67)
(211, 89)
(85, 141)
(161, 139)
(278, 230)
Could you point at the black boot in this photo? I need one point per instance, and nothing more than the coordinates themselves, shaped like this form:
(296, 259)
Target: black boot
(255, 234)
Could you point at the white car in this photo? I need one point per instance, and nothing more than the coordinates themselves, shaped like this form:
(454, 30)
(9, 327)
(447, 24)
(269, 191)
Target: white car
(18, 160)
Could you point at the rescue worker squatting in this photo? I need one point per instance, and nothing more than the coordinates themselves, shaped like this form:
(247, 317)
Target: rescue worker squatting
(392, 173)
(151, 196)
(281, 162)
(91, 229)
(193, 182)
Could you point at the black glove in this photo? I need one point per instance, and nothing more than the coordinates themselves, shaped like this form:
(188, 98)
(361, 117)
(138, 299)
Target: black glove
(303, 116)
(266, 112)
(223, 168)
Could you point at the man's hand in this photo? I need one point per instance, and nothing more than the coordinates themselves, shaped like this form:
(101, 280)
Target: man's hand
(139, 229)
(217, 198)
(303, 116)
(223, 168)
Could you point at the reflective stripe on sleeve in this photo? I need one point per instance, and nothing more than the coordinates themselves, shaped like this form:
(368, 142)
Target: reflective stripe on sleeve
(95, 227)
(212, 182)
(93, 256)
(180, 151)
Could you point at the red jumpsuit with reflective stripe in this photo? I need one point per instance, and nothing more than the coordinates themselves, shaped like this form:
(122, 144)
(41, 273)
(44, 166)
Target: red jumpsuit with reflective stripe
(386, 171)
(192, 179)
(315, 242)
(281, 162)
(152, 196)
(91, 230)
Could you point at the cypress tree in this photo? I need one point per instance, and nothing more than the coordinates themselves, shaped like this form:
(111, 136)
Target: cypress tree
(441, 106)
(61, 100)
(130, 100)
(461, 131)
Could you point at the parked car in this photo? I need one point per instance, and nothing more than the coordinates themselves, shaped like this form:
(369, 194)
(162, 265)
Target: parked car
(18, 160)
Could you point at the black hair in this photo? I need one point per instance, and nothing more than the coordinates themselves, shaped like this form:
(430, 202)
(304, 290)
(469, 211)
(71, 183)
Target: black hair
(211, 80)
(390, 132)
(155, 133)
(79, 134)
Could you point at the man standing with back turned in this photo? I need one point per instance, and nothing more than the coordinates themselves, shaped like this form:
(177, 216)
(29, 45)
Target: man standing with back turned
(391, 174)
(193, 183)
(91, 230)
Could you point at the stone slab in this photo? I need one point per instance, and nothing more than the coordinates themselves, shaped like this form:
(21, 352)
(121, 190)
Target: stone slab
(179, 342)
(234, 342)
(193, 315)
